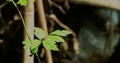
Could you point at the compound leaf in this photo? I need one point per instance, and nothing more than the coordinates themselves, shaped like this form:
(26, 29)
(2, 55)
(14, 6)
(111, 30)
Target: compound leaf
(55, 38)
(50, 45)
(61, 33)
(39, 33)
(34, 46)
(22, 2)
(26, 43)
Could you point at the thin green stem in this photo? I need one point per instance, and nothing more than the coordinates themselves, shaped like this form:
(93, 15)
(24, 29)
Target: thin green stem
(38, 57)
(23, 21)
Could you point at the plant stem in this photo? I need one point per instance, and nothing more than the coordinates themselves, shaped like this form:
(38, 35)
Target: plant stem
(38, 57)
(23, 21)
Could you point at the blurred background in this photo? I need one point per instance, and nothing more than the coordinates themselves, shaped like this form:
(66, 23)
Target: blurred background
(97, 28)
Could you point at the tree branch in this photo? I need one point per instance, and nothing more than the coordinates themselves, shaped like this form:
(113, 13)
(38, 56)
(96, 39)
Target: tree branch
(43, 25)
(29, 21)
(52, 3)
(112, 4)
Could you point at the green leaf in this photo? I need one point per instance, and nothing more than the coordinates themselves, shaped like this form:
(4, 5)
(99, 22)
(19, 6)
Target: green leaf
(48, 40)
(61, 33)
(36, 42)
(50, 45)
(22, 2)
(34, 46)
(39, 33)
(55, 38)
(27, 44)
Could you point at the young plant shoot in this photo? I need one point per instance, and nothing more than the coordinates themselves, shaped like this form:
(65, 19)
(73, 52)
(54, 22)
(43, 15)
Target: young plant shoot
(49, 43)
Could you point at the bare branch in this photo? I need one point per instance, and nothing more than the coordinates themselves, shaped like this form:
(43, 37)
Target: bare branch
(75, 41)
(59, 7)
(52, 3)
(51, 28)
(43, 25)
(112, 4)
(67, 6)
(54, 18)
(29, 21)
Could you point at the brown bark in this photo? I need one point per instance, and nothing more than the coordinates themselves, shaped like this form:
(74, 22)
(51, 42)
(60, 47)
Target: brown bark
(29, 21)
(43, 25)
(112, 4)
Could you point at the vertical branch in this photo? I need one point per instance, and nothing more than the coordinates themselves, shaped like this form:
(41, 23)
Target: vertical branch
(43, 24)
(29, 21)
